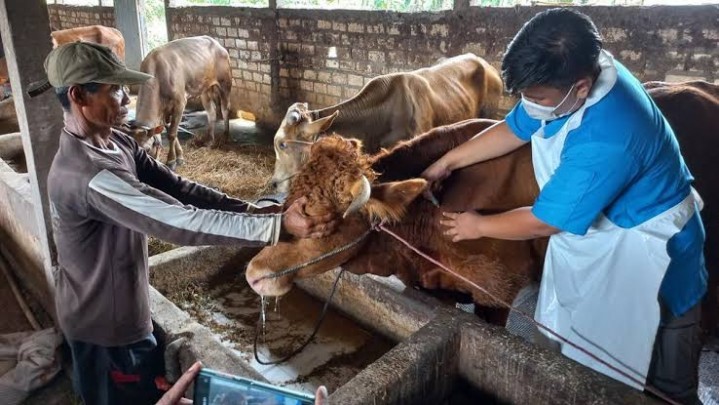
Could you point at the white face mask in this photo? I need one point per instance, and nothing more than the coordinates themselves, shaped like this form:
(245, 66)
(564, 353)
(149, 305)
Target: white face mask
(547, 113)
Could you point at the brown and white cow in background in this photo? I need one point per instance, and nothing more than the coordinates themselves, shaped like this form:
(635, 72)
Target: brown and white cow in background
(391, 108)
(99, 34)
(332, 179)
(182, 69)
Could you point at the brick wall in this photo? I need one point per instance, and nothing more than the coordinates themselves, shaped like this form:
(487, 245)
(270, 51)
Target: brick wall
(249, 36)
(63, 17)
(283, 58)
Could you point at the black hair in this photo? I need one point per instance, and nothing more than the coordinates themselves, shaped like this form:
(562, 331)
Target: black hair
(555, 48)
(62, 93)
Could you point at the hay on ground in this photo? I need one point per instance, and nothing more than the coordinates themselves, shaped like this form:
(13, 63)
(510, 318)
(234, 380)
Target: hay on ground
(241, 171)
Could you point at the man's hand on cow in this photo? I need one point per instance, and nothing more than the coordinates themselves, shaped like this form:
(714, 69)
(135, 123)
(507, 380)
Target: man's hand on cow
(296, 222)
(435, 174)
(462, 226)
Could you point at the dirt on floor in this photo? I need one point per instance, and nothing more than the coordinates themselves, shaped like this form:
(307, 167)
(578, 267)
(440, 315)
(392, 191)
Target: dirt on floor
(241, 171)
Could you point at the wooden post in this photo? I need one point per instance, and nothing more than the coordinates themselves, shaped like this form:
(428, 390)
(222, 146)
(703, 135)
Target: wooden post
(25, 29)
(127, 18)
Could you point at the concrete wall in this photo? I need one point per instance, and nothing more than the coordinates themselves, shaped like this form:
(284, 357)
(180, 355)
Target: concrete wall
(63, 17)
(657, 43)
(19, 235)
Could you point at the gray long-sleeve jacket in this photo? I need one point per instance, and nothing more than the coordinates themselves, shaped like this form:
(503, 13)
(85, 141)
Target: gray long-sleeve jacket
(103, 204)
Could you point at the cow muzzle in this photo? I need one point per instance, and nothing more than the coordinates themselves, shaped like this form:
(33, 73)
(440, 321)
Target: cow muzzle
(268, 287)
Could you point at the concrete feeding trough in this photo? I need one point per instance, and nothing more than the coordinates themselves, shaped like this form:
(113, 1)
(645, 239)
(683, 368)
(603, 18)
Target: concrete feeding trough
(382, 343)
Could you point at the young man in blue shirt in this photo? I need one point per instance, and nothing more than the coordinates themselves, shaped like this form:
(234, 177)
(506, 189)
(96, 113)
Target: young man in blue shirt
(624, 272)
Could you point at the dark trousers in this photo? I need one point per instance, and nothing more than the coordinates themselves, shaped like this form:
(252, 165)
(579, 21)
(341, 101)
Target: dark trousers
(674, 368)
(117, 375)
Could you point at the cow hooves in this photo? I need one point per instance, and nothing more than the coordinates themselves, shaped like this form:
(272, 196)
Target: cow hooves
(180, 162)
(172, 165)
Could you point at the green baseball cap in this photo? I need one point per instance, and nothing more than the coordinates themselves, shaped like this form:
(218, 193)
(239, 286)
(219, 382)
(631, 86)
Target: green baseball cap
(84, 62)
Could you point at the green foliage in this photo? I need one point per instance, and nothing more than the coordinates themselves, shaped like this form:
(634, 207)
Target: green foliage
(394, 5)
(236, 3)
(154, 19)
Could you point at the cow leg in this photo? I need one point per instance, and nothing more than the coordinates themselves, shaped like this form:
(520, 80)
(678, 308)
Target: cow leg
(174, 152)
(225, 109)
(209, 104)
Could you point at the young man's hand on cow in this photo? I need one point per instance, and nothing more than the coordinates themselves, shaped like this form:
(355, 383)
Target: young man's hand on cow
(435, 174)
(518, 224)
(297, 222)
(462, 226)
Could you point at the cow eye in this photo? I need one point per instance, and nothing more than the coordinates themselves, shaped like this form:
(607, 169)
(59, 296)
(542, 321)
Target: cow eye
(283, 145)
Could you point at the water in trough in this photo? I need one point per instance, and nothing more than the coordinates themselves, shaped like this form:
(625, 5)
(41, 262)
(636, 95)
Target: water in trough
(340, 350)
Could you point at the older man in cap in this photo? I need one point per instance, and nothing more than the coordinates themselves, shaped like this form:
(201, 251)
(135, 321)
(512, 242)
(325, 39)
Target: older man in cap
(106, 195)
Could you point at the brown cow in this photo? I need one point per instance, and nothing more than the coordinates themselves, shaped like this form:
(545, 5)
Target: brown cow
(99, 34)
(391, 108)
(183, 68)
(503, 267)
(498, 185)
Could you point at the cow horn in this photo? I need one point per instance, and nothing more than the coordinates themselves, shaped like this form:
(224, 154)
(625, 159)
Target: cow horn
(361, 194)
(293, 117)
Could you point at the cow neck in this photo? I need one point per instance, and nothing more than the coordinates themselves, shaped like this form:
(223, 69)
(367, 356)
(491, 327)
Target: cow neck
(148, 109)
(360, 108)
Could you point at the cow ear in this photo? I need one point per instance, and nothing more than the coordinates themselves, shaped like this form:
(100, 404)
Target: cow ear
(356, 143)
(321, 125)
(389, 201)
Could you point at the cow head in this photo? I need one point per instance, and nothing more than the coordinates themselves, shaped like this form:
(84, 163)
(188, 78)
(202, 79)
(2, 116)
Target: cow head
(336, 178)
(293, 139)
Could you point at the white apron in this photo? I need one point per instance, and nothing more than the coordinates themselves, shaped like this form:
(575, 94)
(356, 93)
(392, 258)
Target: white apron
(600, 290)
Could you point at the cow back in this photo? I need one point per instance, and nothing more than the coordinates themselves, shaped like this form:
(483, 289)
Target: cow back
(398, 106)
(410, 158)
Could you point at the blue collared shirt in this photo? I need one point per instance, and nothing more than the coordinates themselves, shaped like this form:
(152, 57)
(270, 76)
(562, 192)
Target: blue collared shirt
(623, 161)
